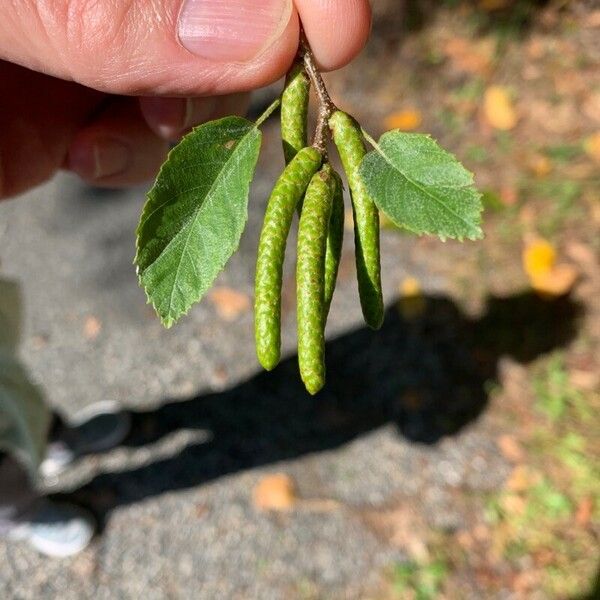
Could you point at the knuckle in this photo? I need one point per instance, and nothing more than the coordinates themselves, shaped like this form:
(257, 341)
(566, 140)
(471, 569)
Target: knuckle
(102, 42)
(93, 28)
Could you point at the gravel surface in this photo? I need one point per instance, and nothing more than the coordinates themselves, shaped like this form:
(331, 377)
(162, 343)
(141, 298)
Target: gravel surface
(399, 423)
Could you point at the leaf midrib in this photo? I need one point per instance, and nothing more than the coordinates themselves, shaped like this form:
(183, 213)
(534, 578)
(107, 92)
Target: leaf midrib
(425, 190)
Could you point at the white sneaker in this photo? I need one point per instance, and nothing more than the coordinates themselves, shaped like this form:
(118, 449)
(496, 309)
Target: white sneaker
(53, 529)
(97, 428)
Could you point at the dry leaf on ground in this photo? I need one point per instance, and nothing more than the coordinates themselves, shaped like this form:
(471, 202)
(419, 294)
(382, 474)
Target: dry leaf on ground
(92, 328)
(499, 109)
(513, 504)
(510, 448)
(540, 165)
(539, 258)
(592, 146)
(558, 282)
(275, 492)
(509, 195)
(585, 511)
(403, 528)
(408, 119)
(545, 275)
(474, 57)
(521, 479)
(229, 303)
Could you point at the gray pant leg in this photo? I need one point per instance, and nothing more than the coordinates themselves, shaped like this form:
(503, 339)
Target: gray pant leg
(17, 494)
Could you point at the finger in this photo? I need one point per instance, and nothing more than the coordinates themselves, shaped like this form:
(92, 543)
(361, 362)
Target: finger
(170, 118)
(337, 30)
(142, 47)
(36, 129)
(118, 148)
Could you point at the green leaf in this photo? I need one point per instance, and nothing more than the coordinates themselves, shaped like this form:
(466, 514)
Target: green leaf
(420, 186)
(195, 214)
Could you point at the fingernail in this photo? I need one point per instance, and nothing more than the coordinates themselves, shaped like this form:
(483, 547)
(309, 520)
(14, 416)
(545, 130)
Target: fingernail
(166, 116)
(169, 117)
(231, 30)
(104, 157)
(111, 157)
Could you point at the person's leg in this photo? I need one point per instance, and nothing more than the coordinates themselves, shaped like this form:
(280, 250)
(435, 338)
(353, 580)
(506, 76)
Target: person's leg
(98, 428)
(51, 528)
(17, 494)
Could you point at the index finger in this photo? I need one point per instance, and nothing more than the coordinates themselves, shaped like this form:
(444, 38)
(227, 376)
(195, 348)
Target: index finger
(337, 30)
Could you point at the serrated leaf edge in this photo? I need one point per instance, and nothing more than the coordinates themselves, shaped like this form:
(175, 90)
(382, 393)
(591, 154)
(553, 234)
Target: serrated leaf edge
(169, 321)
(477, 226)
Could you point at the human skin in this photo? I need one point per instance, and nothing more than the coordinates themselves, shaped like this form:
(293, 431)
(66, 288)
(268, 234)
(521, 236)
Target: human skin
(100, 87)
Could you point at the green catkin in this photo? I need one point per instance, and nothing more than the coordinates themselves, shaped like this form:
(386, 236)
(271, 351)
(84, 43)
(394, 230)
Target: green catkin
(310, 278)
(335, 237)
(349, 142)
(286, 194)
(294, 111)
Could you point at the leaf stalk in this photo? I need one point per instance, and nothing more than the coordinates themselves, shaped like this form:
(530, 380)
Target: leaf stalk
(268, 112)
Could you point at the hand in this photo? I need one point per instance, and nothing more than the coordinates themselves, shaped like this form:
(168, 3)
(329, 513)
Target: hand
(100, 87)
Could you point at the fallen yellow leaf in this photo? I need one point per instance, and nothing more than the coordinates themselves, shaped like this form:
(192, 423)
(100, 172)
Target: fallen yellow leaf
(275, 492)
(540, 165)
(410, 287)
(498, 108)
(545, 276)
(407, 120)
(513, 504)
(557, 282)
(539, 258)
(592, 146)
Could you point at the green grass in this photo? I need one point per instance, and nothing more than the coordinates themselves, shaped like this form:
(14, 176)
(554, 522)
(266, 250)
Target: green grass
(504, 142)
(563, 153)
(472, 90)
(425, 581)
(476, 154)
(560, 197)
(554, 392)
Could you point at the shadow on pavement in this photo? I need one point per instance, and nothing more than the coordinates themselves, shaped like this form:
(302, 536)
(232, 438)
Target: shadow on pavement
(428, 375)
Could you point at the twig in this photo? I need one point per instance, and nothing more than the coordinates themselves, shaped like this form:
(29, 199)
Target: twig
(326, 106)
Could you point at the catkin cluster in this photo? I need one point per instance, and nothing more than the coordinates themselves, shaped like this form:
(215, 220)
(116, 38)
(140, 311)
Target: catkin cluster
(310, 186)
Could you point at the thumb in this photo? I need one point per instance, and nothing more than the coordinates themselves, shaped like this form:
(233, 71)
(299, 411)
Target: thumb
(170, 47)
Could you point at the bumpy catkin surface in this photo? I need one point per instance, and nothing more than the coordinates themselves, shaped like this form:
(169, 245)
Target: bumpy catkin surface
(310, 279)
(294, 111)
(287, 193)
(349, 142)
